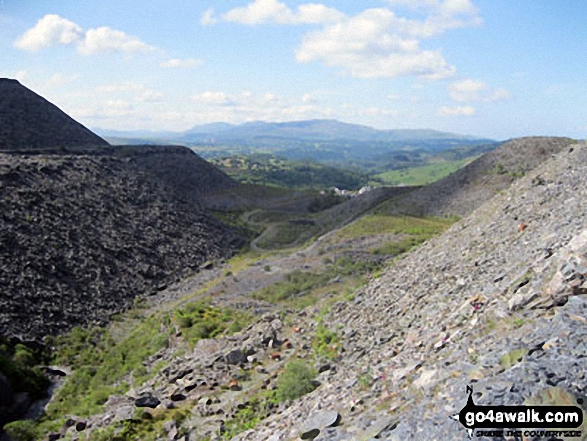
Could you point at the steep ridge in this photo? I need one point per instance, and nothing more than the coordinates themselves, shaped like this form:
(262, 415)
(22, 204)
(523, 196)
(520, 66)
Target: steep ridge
(27, 120)
(466, 189)
(185, 173)
(87, 227)
(492, 303)
(84, 234)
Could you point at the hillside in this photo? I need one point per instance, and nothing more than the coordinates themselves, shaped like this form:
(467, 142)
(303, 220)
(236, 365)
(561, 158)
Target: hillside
(489, 304)
(84, 234)
(28, 121)
(467, 188)
(87, 227)
(496, 302)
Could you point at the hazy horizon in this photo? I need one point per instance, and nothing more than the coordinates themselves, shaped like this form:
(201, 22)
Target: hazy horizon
(494, 69)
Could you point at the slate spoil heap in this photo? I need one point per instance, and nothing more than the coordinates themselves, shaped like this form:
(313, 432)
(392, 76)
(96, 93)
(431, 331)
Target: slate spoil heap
(466, 189)
(29, 121)
(84, 234)
(87, 227)
(489, 303)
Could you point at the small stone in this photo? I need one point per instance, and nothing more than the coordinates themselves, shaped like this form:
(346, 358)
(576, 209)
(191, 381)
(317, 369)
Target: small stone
(235, 357)
(147, 401)
(318, 421)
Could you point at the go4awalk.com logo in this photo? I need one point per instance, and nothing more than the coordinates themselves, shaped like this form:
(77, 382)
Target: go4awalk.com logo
(548, 422)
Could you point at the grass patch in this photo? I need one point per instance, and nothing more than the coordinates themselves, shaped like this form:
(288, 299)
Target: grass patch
(512, 357)
(249, 415)
(103, 366)
(299, 283)
(411, 231)
(199, 320)
(19, 364)
(422, 175)
(144, 429)
(383, 224)
(325, 342)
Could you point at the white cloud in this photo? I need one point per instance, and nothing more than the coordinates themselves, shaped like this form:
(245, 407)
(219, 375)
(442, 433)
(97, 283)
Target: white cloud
(308, 98)
(213, 98)
(134, 91)
(393, 97)
(456, 111)
(369, 46)
(182, 62)
(208, 17)
(104, 39)
(50, 31)
(53, 30)
(372, 44)
(274, 11)
(474, 90)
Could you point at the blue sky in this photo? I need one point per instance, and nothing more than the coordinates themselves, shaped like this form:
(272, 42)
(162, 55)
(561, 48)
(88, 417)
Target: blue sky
(495, 68)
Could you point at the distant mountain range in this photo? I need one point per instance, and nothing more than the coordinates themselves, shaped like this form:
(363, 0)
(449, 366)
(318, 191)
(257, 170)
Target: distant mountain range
(325, 141)
(316, 130)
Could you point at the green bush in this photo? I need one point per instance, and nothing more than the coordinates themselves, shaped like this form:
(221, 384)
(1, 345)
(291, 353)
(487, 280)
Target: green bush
(325, 341)
(18, 364)
(296, 380)
(22, 430)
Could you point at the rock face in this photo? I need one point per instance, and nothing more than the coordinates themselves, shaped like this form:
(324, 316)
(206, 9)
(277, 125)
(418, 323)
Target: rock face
(28, 121)
(467, 188)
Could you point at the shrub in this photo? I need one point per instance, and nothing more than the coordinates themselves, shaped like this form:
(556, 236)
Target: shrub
(296, 380)
(324, 343)
(200, 320)
(22, 430)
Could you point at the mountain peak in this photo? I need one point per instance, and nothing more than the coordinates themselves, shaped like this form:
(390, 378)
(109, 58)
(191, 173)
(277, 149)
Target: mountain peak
(29, 121)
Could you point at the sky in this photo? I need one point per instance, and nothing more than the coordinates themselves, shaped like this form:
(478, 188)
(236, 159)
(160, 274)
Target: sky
(490, 68)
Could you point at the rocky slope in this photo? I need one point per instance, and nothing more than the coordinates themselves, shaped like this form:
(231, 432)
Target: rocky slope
(84, 233)
(498, 302)
(28, 121)
(466, 189)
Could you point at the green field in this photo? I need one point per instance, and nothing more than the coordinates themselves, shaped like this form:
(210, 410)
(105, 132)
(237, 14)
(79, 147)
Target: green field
(421, 175)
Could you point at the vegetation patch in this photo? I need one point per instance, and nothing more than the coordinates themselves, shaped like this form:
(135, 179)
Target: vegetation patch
(422, 175)
(325, 342)
(300, 283)
(199, 320)
(249, 415)
(266, 169)
(18, 363)
(296, 380)
(101, 366)
(145, 427)
(512, 357)
(382, 224)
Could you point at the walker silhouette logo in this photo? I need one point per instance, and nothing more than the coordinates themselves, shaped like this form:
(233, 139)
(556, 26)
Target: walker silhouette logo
(475, 417)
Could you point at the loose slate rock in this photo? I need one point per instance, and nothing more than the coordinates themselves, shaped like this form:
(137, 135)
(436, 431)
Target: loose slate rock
(311, 428)
(147, 401)
(235, 357)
